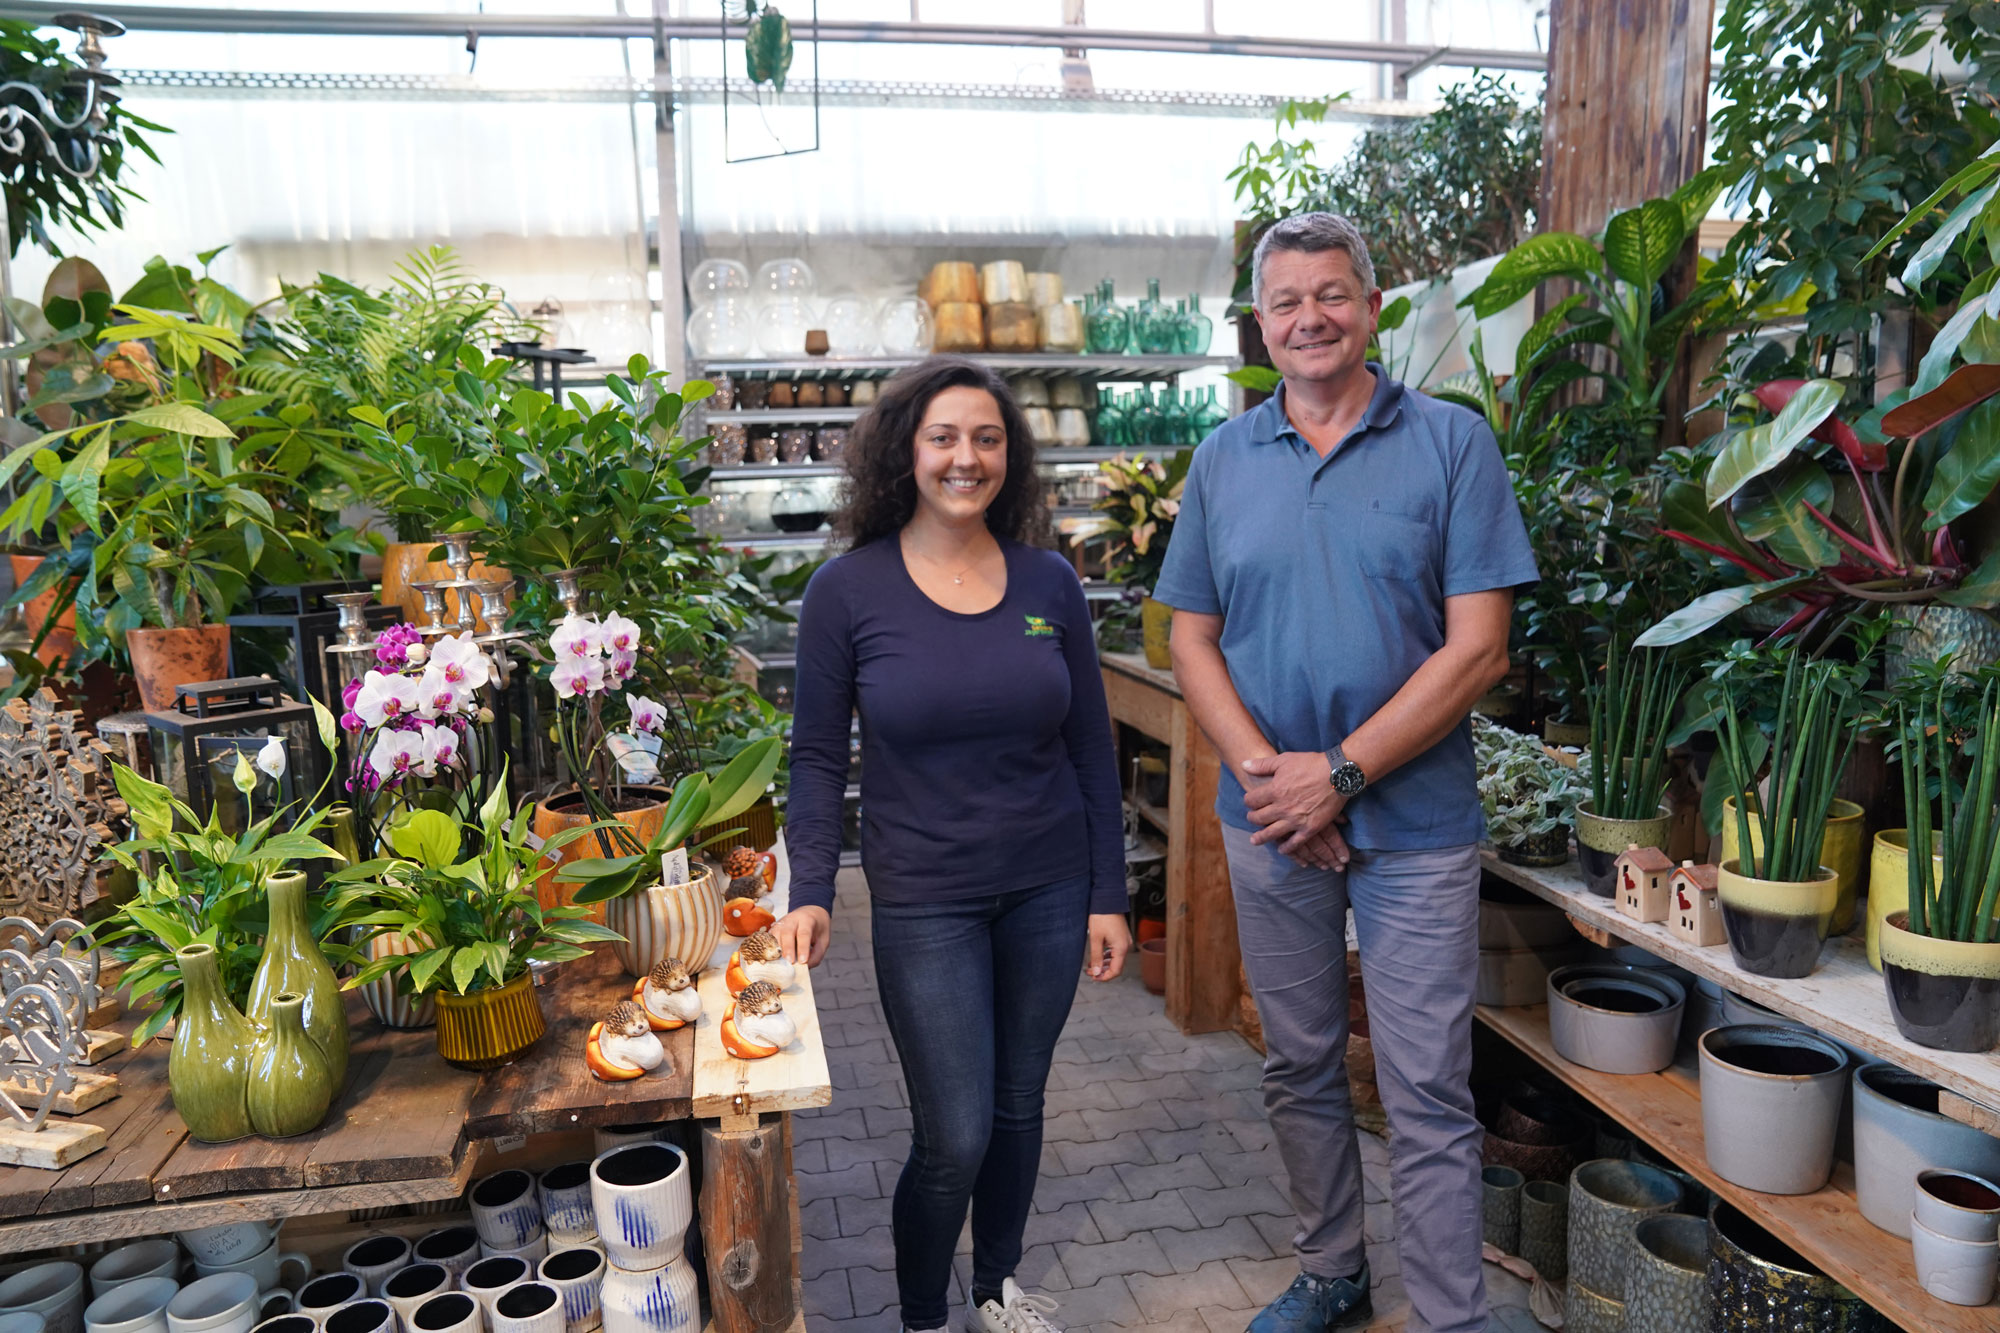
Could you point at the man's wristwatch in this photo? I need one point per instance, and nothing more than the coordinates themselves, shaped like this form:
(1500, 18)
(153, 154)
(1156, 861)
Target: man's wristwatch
(1345, 775)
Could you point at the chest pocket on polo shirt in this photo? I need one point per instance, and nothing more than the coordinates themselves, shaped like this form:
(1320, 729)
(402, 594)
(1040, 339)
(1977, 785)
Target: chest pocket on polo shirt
(1394, 539)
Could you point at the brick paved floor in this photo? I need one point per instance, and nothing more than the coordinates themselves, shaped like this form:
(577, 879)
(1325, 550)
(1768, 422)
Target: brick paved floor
(1162, 1202)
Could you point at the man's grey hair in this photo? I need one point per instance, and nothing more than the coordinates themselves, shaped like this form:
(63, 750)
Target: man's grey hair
(1312, 233)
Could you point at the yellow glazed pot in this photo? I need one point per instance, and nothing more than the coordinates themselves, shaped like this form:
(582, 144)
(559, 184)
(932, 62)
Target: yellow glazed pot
(1889, 883)
(1775, 927)
(489, 1028)
(1839, 850)
(1156, 623)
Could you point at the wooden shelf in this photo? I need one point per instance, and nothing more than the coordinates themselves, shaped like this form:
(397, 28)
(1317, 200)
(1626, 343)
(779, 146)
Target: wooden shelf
(1827, 1227)
(1152, 814)
(1844, 997)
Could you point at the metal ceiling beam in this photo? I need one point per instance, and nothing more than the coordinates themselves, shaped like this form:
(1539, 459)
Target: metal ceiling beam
(392, 24)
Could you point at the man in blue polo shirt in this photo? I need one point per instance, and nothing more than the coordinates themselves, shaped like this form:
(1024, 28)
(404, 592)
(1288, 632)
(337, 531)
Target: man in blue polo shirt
(1343, 572)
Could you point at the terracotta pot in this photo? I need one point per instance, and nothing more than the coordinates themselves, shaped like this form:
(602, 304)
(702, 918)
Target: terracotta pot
(164, 658)
(566, 811)
(661, 921)
(489, 1028)
(62, 639)
(404, 563)
(1151, 928)
(1153, 966)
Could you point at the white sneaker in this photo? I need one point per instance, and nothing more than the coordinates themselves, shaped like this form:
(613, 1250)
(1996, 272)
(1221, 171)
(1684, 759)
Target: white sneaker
(1014, 1312)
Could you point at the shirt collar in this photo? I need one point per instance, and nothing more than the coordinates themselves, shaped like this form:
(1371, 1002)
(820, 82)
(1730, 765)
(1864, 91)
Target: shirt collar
(1269, 423)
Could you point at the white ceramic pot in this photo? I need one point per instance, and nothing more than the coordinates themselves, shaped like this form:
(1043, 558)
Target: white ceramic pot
(224, 1303)
(139, 1306)
(269, 1267)
(566, 1210)
(485, 1280)
(1518, 976)
(1770, 1105)
(375, 1259)
(288, 1323)
(505, 1210)
(449, 1312)
(1958, 1204)
(531, 1307)
(662, 1300)
(323, 1295)
(390, 1009)
(640, 1194)
(1897, 1133)
(369, 1316)
(22, 1321)
(52, 1290)
(158, 1257)
(531, 1251)
(455, 1249)
(410, 1286)
(1953, 1269)
(577, 1274)
(681, 921)
(1613, 1018)
(229, 1242)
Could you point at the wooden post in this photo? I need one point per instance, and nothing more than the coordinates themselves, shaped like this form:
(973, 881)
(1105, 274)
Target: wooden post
(1202, 958)
(748, 1228)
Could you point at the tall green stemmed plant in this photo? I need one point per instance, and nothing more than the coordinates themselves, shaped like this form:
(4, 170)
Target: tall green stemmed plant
(1809, 744)
(1631, 708)
(1957, 904)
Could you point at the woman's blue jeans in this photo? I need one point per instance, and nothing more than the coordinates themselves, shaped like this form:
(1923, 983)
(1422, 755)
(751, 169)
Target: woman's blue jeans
(975, 992)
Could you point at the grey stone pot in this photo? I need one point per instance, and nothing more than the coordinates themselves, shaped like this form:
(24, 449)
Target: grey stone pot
(1666, 1287)
(1897, 1133)
(1500, 1207)
(1613, 1018)
(1584, 1311)
(1545, 1228)
(1770, 1104)
(1606, 1200)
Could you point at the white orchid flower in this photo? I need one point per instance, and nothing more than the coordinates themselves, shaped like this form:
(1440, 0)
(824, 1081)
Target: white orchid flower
(436, 696)
(576, 638)
(384, 697)
(462, 663)
(415, 654)
(272, 757)
(395, 754)
(647, 715)
(441, 746)
(620, 634)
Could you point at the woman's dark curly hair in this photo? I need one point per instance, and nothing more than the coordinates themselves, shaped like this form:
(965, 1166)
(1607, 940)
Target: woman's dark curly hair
(880, 494)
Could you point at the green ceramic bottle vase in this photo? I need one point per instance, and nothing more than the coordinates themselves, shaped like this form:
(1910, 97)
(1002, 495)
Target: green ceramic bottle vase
(292, 962)
(291, 1085)
(208, 1068)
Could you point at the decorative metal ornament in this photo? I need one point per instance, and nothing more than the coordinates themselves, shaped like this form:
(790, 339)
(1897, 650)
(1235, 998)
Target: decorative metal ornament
(433, 595)
(32, 1020)
(51, 957)
(569, 588)
(57, 810)
(354, 654)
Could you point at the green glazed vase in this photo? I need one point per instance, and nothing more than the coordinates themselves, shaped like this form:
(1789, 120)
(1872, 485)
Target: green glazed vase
(208, 1067)
(340, 828)
(292, 962)
(291, 1085)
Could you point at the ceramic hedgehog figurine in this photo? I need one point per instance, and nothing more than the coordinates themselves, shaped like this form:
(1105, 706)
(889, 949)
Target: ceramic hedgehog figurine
(623, 1046)
(756, 1025)
(668, 996)
(758, 958)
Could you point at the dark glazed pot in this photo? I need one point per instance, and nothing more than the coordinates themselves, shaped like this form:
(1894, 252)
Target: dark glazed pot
(1943, 994)
(1775, 928)
(1758, 1284)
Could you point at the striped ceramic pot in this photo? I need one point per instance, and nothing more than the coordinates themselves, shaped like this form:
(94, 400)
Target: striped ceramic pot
(578, 1274)
(490, 1028)
(681, 921)
(390, 1009)
(661, 1300)
(643, 1204)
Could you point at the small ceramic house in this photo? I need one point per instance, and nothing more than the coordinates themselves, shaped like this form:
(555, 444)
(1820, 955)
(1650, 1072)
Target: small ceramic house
(1642, 882)
(1697, 917)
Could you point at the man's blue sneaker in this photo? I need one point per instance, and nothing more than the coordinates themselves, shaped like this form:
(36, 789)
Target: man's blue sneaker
(1318, 1305)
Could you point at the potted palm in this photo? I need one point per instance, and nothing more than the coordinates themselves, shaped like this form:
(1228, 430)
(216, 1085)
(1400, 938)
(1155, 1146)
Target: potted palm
(1777, 898)
(1941, 955)
(1526, 794)
(1631, 709)
(1139, 508)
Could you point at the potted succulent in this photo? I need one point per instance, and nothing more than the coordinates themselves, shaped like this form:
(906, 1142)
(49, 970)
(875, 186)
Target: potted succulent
(1777, 897)
(1941, 954)
(1139, 509)
(1631, 711)
(1526, 794)
(473, 924)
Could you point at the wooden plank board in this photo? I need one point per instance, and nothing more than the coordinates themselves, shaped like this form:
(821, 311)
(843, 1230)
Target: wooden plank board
(795, 1078)
(55, 1145)
(1139, 702)
(145, 1131)
(554, 1089)
(1843, 997)
(1825, 1226)
(1968, 1112)
(92, 1090)
(401, 1117)
(1133, 666)
(142, 1077)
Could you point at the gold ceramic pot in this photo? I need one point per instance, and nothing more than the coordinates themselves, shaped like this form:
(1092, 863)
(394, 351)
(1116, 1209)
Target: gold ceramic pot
(1156, 626)
(490, 1028)
(1889, 883)
(1839, 850)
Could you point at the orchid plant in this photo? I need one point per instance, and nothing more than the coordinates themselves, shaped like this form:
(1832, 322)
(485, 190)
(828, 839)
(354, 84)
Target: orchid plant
(415, 722)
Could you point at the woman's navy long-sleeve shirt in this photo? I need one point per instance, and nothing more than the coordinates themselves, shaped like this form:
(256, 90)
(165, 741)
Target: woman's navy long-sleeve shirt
(986, 756)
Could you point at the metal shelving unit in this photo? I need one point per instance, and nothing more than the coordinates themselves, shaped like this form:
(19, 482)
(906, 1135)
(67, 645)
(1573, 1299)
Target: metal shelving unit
(1122, 368)
(804, 416)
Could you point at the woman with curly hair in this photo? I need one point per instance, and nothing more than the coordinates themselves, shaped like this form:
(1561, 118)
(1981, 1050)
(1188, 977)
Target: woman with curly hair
(992, 833)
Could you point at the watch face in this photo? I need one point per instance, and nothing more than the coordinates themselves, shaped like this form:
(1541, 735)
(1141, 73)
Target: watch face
(1348, 779)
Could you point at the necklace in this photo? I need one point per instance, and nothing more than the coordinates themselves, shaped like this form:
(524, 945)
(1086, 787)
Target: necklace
(958, 578)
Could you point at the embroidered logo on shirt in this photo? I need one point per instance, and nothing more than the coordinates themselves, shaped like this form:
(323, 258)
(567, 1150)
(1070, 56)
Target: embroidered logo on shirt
(1038, 628)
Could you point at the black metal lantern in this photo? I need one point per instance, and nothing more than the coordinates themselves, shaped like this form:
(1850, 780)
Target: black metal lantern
(290, 629)
(196, 744)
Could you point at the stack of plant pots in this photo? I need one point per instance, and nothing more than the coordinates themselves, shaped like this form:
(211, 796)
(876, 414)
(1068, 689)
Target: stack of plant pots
(1899, 1132)
(644, 1205)
(1521, 939)
(1607, 1199)
(1771, 1099)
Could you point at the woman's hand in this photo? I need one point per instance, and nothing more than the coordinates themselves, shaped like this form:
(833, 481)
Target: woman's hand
(1110, 941)
(803, 933)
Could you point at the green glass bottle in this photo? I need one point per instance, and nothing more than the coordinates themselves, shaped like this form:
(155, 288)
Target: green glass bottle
(1153, 323)
(1105, 325)
(292, 962)
(208, 1068)
(1199, 330)
(291, 1086)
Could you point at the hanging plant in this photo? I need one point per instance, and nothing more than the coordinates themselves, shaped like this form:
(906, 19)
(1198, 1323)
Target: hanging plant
(767, 45)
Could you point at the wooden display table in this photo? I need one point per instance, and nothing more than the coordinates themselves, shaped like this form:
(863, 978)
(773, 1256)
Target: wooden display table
(1202, 957)
(1844, 999)
(409, 1128)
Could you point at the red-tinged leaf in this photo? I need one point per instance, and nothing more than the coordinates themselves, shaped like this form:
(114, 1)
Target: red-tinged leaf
(1861, 457)
(1968, 386)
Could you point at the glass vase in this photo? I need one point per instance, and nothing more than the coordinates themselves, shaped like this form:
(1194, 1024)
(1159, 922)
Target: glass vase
(1199, 330)
(1106, 327)
(1153, 324)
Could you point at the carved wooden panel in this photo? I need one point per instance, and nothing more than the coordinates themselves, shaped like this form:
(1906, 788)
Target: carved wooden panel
(58, 808)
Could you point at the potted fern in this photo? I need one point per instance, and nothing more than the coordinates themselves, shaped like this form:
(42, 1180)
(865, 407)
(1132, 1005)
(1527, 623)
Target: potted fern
(1632, 705)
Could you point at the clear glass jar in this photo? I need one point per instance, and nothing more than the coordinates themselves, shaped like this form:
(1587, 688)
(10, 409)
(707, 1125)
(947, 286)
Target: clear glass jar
(717, 277)
(785, 277)
(723, 328)
(782, 326)
(850, 326)
(798, 508)
(906, 327)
